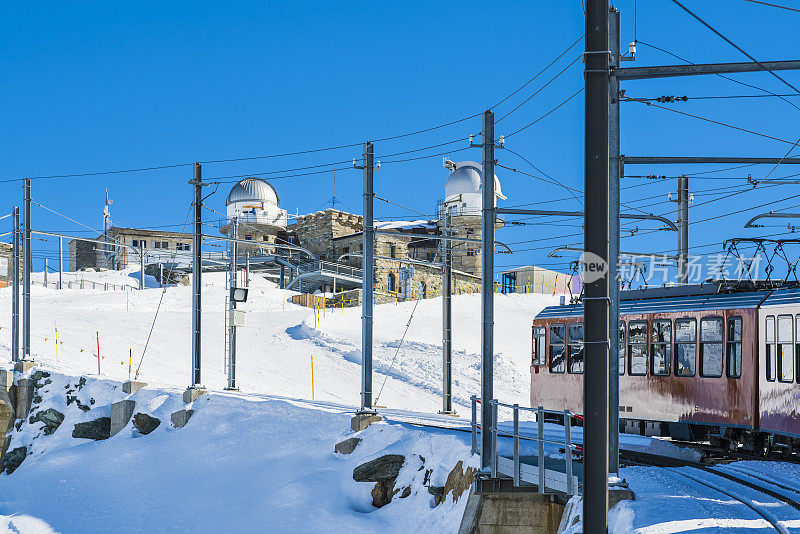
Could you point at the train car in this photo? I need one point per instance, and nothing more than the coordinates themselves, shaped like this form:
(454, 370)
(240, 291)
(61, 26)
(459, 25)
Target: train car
(708, 362)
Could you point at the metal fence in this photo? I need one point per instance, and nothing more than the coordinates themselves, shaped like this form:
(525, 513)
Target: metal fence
(85, 284)
(519, 468)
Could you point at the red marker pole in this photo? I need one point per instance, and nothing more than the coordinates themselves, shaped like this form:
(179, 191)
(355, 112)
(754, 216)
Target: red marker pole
(98, 352)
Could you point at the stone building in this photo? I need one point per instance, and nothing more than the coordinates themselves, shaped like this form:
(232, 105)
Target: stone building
(158, 246)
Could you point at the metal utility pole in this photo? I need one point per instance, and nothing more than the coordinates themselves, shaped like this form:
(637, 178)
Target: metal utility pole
(367, 280)
(45, 272)
(26, 270)
(683, 229)
(614, 178)
(595, 263)
(447, 317)
(197, 269)
(141, 268)
(60, 263)
(15, 286)
(233, 250)
(487, 288)
(247, 271)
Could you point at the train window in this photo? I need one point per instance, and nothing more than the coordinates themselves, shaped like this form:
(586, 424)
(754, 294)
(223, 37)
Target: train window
(538, 356)
(637, 348)
(797, 347)
(769, 340)
(622, 346)
(711, 334)
(785, 365)
(685, 346)
(557, 335)
(660, 347)
(575, 354)
(734, 354)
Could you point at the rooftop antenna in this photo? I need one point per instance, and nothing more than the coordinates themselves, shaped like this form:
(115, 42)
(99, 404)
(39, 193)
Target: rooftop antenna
(106, 226)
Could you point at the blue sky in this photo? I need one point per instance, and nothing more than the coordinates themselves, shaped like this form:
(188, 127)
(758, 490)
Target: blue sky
(94, 86)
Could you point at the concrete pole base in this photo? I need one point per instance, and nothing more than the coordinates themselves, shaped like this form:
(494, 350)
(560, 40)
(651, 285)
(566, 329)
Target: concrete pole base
(451, 413)
(362, 420)
(23, 366)
(121, 413)
(132, 386)
(193, 393)
(180, 418)
(231, 389)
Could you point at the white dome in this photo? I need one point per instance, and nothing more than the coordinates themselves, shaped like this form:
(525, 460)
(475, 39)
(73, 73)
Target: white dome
(253, 190)
(466, 179)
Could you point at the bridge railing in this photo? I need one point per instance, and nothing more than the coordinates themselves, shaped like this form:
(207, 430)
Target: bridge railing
(544, 478)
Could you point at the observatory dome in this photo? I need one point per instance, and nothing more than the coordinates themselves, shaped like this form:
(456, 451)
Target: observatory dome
(253, 190)
(465, 179)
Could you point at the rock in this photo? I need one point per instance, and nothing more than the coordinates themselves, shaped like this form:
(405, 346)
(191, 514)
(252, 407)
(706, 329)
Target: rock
(51, 418)
(39, 374)
(37, 399)
(347, 446)
(81, 383)
(97, 429)
(458, 481)
(12, 459)
(383, 492)
(145, 423)
(438, 494)
(406, 492)
(47, 381)
(382, 468)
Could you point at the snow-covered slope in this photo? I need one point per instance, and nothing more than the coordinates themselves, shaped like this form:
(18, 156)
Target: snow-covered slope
(275, 348)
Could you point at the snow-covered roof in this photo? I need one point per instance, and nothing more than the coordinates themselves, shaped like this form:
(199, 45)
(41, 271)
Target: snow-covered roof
(405, 225)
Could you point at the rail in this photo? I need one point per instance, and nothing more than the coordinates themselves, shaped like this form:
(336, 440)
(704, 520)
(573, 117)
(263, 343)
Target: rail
(520, 471)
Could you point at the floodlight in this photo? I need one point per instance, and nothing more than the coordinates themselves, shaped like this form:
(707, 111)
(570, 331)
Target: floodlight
(239, 294)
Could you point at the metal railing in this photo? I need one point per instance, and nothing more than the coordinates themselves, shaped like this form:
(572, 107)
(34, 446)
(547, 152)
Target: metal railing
(329, 267)
(514, 467)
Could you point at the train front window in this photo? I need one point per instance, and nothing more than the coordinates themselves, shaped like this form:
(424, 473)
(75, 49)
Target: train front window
(769, 340)
(797, 346)
(557, 338)
(685, 346)
(734, 354)
(637, 348)
(575, 354)
(785, 348)
(622, 347)
(660, 346)
(711, 332)
(538, 356)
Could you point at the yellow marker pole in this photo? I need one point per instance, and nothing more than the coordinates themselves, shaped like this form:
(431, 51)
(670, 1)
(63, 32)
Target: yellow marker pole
(312, 377)
(56, 324)
(130, 359)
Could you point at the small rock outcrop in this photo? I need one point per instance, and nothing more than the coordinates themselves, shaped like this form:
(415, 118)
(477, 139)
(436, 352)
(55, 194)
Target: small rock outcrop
(383, 471)
(347, 446)
(97, 429)
(145, 423)
(458, 481)
(51, 418)
(13, 458)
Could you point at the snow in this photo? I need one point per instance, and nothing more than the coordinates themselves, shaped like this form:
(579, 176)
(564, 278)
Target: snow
(263, 459)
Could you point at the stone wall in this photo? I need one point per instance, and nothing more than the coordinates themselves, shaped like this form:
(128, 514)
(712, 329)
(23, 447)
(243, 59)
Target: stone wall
(316, 231)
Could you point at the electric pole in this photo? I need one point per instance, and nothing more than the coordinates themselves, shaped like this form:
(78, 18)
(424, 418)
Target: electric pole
(26, 270)
(487, 288)
(15, 286)
(683, 230)
(367, 280)
(232, 250)
(614, 178)
(447, 317)
(197, 273)
(595, 265)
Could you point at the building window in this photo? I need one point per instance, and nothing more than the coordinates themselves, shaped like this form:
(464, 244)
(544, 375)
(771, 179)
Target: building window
(711, 332)
(557, 332)
(637, 348)
(785, 349)
(470, 231)
(423, 289)
(660, 347)
(430, 256)
(140, 243)
(769, 339)
(182, 246)
(264, 238)
(392, 250)
(161, 244)
(734, 349)
(470, 252)
(392, 283)
(248, 238)
(575, 354)
(685, 346)
(135, 242)
(538, 356)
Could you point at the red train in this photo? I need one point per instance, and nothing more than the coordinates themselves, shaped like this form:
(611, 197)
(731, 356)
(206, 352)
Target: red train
(709, 362)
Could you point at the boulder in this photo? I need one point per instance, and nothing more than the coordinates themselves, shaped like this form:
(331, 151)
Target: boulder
(383, 471)
(438, 494)
(51, 418)
(406, 492)
(145, 423)
(12, 459)
(97, 429)
(347, 446)
(458, 481)
(382, 468)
